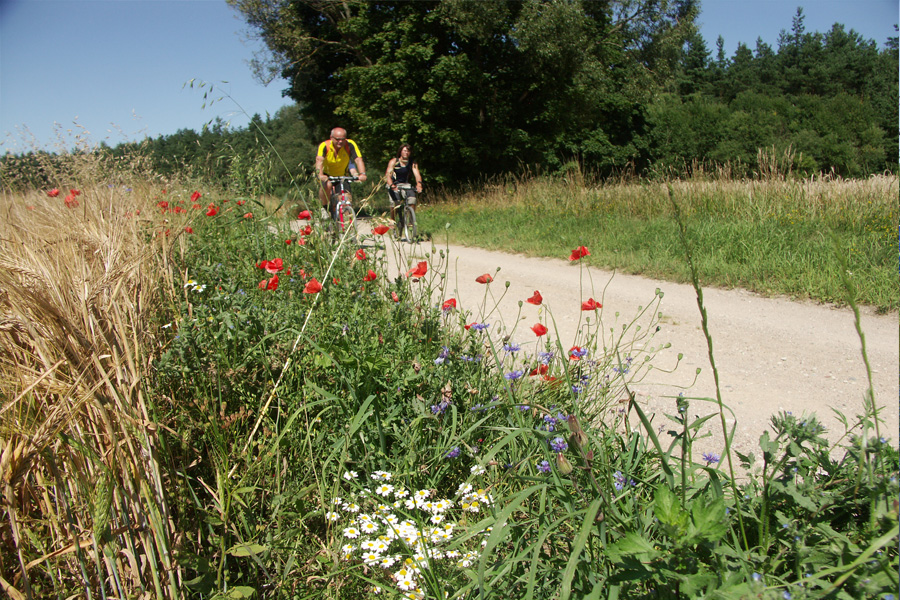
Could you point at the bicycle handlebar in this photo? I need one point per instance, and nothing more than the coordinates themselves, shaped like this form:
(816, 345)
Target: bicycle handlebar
(340, 178)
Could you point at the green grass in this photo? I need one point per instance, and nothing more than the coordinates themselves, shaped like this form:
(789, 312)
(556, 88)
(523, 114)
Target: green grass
(775, 238)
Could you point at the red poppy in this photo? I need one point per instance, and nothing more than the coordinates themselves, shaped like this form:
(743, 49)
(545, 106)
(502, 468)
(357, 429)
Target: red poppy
(163, 204)
(539, 329)
(189, 230)
(301, 242)
(395, 297)
(195, 196)
(590, 304)
(370, 276)
(306, 230)
(540, 370)
(451, 303)
(75, 192)
(579, 253)
(335, 280)
(270, 284)
(469, 326)
(212, 211)
(196, 207)
(53, 193)
(312, 287)
(71, 201)
(486, 278)
(360, 254)
(272, 266)
(536, 299)
(304, 215)
(288, 242)
(178, 210)
(248, 215)
(381, 229)
(418, 271)
(240, 202)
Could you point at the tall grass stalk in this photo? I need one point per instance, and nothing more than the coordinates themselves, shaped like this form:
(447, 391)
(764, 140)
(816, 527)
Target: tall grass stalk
(704, 324)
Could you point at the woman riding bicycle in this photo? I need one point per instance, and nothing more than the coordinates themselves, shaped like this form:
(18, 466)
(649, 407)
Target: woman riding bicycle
(398, 171)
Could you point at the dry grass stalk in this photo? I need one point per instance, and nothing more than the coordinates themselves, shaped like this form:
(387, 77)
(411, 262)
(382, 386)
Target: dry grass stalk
(83, 504)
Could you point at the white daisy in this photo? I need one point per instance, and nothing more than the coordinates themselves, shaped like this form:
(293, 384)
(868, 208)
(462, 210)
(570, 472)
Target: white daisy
(384, 489)
(348, 475)
(351, 532)
(332, 516)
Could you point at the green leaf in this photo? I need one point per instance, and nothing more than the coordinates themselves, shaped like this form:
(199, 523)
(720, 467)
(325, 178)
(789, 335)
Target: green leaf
(246, 549)
(667, 509)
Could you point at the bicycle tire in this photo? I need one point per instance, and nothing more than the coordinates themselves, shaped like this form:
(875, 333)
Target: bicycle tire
(347, 222)
(410, 229)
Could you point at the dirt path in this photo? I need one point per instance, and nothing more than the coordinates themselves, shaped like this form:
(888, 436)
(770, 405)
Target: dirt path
(772, 354)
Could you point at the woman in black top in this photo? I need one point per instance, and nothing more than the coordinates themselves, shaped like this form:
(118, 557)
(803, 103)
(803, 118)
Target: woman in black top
(401, 169)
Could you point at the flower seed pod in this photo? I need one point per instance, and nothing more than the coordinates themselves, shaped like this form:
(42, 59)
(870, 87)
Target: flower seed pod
(564, 466)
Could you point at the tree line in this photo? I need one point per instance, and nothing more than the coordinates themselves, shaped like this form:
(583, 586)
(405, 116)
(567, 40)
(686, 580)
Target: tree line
(487, 87)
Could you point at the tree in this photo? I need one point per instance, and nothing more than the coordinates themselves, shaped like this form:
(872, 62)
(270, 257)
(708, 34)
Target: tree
(477, 87)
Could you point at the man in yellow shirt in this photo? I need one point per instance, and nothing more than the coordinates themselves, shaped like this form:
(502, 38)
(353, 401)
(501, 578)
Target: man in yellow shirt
(335, 157)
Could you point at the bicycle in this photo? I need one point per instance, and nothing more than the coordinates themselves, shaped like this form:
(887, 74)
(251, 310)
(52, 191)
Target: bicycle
(406, 220)
(343, 217)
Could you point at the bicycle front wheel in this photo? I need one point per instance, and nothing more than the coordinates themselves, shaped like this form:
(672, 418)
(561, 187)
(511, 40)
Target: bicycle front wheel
(347, 222)
(410, 230)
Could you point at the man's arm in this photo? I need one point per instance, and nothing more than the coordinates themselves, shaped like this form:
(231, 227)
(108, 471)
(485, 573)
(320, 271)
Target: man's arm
(360, 168)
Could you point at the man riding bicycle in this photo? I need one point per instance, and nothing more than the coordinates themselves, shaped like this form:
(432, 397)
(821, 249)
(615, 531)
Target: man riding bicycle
(334, 158)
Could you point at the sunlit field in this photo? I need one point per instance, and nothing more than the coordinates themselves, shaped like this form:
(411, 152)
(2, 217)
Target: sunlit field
(205, 397)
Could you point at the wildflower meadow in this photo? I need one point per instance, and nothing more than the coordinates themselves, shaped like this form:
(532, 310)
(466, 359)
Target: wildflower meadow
(207, 396)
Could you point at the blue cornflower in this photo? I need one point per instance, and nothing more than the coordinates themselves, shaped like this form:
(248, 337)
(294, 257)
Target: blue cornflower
(786, 595)
(511, 347)
(545, 357)
(543, 466)
(513, 375)
(480, 326)
(558, 444)
(756, 577)
(709, 457)
(453, 453)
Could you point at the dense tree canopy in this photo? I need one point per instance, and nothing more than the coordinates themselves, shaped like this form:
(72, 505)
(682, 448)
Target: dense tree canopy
(478, 86)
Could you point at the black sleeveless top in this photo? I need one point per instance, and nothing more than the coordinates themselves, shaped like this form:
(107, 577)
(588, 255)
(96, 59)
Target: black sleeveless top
(402, 172)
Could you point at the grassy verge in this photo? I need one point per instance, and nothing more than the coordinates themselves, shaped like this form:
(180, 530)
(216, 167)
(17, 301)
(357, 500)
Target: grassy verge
(773, 237)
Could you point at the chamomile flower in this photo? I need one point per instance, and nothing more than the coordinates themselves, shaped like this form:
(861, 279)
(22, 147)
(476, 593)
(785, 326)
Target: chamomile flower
(381, 476)
(436, 519)
(369, 527)
(351, 532)
(332, 516)
(406, 584)
(371, 558)
(369, 546)
(422, 494)
(351, 507)
(387, 562)
(401, 492)
(349, 475)
(384, 489)
(478, 470)
(347, 550)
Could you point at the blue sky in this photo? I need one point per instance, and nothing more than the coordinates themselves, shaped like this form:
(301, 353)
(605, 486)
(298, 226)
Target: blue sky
(115, 70)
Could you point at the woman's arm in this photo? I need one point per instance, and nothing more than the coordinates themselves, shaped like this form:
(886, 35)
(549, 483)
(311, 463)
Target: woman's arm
(388, 180)
(418, 176)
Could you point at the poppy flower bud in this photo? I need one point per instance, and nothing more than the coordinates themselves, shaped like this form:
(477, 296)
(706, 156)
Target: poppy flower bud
(564, 466)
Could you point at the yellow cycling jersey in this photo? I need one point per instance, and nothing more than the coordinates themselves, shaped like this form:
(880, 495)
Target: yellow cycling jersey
(336, 163)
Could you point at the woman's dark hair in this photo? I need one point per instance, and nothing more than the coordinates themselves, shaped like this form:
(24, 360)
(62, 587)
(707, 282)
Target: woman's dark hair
(408, 147)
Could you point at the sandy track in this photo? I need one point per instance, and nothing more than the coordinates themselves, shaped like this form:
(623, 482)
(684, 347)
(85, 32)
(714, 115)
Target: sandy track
(772, 354)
